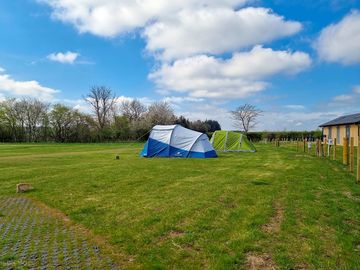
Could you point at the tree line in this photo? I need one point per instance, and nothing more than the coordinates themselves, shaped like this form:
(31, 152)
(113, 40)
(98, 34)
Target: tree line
(32, 120)
(285, 135)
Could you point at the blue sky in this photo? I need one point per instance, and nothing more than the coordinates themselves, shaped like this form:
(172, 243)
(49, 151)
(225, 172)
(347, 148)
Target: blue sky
(298, 61)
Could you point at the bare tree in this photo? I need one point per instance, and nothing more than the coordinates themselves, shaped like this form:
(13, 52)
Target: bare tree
(160, 113)
(245, 117)
(132, 110)
(102, 100)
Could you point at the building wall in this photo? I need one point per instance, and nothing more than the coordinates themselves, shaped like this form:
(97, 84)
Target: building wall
(353, 133)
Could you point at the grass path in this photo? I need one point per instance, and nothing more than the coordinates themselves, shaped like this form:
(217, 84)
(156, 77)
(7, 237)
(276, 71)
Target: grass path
(198, 214)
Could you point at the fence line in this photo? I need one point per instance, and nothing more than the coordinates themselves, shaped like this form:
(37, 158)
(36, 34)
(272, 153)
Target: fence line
(329, 149)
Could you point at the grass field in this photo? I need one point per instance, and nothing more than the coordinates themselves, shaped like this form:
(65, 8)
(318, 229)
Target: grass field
(292, 210)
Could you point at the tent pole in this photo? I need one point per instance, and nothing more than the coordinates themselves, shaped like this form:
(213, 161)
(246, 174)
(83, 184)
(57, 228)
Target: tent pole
(241, 135)
(213, 139)
(194, 143)
(226, 137)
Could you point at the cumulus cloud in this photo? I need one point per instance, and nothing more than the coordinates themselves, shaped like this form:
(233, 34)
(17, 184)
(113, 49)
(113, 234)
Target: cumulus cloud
(206, 76)
(215, 31)
(190, 37)
(12, 87)
(175, 29)
(341, 42)
(109, 18)
(2, 70)
(64, 58)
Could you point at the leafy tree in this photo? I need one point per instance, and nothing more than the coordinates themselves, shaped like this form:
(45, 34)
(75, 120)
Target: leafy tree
(9, 118)
(183, 121)
(160, 113)
(133, 110)
(61, 120)
(213, 125)
(200, 126)
(36, 112)
(121, 128)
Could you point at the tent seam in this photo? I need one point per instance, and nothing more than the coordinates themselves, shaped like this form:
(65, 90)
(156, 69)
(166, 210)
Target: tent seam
(194, 144)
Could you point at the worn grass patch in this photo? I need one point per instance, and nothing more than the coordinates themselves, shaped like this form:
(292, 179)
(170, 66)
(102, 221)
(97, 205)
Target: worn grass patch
(256, 261)
(274, 224)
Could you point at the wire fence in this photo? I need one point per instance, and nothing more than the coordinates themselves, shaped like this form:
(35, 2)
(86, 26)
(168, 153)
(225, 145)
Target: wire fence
(347, 153)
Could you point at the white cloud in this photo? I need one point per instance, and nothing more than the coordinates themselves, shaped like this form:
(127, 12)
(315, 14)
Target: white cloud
(64, 58)
(109, 18)
(186, 35)
(2, 70)
(243, 74)
(341, 42)
(178, 28)
(279, 121)
(180, 100)
(12, 87)
(342, 98)
(295, 107)
(356, 89)
(215, 31)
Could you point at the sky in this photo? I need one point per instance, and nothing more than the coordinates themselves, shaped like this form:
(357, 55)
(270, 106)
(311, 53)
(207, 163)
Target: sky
(297, 61)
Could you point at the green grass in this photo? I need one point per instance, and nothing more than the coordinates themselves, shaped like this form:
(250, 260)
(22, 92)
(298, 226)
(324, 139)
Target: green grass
(197, 213)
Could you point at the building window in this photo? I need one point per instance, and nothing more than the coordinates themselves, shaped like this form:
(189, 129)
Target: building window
(338, 134)
(330, 132)
(348, 132)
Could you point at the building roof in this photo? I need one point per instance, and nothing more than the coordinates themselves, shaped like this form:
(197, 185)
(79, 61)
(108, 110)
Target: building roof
(344, 120)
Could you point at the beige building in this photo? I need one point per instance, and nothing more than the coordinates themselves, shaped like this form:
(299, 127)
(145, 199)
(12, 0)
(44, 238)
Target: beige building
(345, 126)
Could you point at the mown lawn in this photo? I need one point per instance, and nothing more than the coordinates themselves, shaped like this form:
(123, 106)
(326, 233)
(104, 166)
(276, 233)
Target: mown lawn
(301, 211)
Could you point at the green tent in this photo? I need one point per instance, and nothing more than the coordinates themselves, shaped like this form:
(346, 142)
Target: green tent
(230, 141)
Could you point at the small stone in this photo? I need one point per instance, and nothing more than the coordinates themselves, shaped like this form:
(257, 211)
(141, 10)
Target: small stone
(23, 187)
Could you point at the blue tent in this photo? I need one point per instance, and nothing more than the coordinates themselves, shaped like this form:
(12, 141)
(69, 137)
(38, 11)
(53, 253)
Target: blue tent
(177, 141)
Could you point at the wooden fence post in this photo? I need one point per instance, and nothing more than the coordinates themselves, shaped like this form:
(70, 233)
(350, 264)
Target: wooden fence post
(304, 145)
(358, 160)
(346, 151)
(325, 148)
(317, 148)
(334, 146)
(352, 161)
(321, 148)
